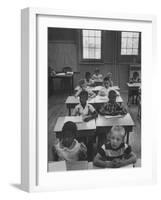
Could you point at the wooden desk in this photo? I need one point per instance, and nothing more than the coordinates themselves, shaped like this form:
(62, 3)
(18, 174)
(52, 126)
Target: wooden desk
(85, 129)
(65, 76)
(125, 121)
(132, 87)
(67, 166)
(72, 101)
(96, 89)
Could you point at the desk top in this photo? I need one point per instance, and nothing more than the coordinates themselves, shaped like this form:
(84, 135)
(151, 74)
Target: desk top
(95, 100)
(134, 84)
(124, 120)
(62, 74)
(81, 125)
(76, 165)
(97, 88)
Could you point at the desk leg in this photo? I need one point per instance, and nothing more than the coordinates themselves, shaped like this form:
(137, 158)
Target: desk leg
(127, 137)
(69, 108)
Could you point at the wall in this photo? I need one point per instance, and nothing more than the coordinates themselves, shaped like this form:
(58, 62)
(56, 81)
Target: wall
(64, 49)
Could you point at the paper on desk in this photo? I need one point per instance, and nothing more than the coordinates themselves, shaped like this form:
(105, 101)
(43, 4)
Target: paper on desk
(76, 119)
(112, 116)
(57, 166)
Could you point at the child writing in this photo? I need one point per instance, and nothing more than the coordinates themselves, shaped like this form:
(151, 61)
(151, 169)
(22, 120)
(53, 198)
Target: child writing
(112, 107)
(88, 80)
(68, 148)
(135, 78)
(84, 109)
(106, 88)
(83, 86)
(115, 153)
(97, 76)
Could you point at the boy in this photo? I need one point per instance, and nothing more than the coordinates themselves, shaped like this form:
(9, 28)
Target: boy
(115, 153)
(97, 76)
(105, 90)
(88, 80)
(84, 109)
(112, 107)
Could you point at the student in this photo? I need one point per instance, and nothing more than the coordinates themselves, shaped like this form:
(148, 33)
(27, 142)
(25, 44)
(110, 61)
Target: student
(106, 88)
(83, 86)
(68, 148)
(135, 78)
(84, 109)
(115, 153)
(112, 107)
(88, 80)
(97, 76)
(109, 77)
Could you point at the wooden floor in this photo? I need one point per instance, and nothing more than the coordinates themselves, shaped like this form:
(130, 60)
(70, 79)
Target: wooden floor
(56, 108)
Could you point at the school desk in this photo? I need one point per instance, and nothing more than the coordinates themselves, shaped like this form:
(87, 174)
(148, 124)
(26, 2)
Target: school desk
(105, 123)
(85, 129)
(132, 87)
(67, 166)
(96, 89)
(69, 75)
(72, 101)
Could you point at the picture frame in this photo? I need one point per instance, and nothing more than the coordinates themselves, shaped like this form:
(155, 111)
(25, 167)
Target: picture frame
(34, 175)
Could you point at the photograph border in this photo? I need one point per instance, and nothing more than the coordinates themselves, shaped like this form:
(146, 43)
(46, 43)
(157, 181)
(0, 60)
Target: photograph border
(29, 111)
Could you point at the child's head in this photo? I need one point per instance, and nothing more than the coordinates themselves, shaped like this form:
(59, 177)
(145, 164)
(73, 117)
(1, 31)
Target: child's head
(82, 83)
(97, 71)
(117, 136)
(87, 75)
(106, 82)
(112, 96)
(135, 75)
(83, 97)
(109, 75)
(68, 133)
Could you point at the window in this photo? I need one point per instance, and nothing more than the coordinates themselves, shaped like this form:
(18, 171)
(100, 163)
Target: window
(91, 44)
(129, 43)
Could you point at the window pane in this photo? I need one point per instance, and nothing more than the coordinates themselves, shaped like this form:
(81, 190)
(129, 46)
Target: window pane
(85, 53)
(129, 43)
(91, 53)
(91, 42)
(98, 42)
(135, 42)
(135, 34)
(128, 51)
(98, 33)
(123, 42)
(85, 32)
(135, 51)
(91, 33)
(124, 34)
(98, 53)
(123, 51)
(85, 42)
(130, 34)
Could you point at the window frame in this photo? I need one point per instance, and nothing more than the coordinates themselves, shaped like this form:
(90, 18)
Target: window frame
(88, 60)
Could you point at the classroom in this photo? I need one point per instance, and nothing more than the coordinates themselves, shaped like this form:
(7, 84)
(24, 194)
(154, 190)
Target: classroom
(94, 99)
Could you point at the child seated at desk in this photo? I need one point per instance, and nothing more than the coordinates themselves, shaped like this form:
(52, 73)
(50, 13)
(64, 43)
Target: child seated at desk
(84, 109)
(115, 153)
(106, 88)
(135, 78)
(88, 80)
(68, 148)
(83, 87)
(97, 76)
(112, 107)
(109, 77)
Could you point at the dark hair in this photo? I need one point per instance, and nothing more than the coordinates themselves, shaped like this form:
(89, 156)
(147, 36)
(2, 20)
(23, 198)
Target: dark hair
(135, 74)
(70, 126)
(106, 79)
(83, 93)
(81, 82)
(112, 93)
(87, 74)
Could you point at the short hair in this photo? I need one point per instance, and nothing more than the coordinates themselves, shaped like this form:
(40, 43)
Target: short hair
(106, 79)
(87, 74)
(112, 93)
(119, 129)
(81, 82)
(71, 127)
(135, 74)
(83, 93)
